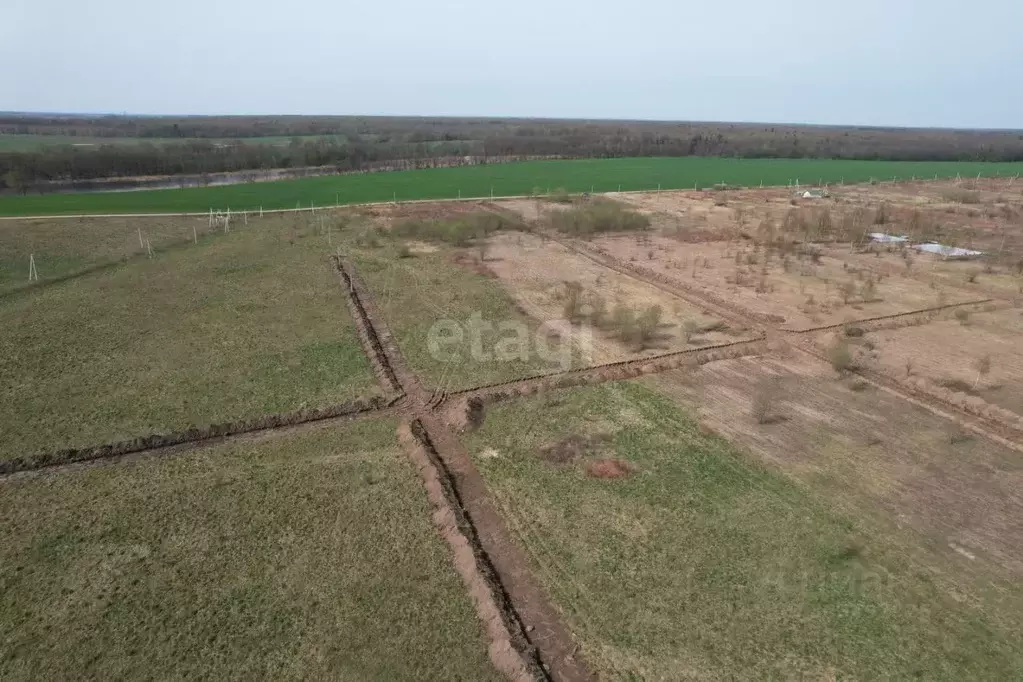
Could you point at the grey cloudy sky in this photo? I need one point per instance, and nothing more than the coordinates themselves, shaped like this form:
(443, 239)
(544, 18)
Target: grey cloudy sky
(901, 62)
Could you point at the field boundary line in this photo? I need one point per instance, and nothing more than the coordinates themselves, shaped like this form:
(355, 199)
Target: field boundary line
(882, 318)
(548, 643)
(998, 432)
(510, 650)
(369, 338)
(612, 371)
(196, 435)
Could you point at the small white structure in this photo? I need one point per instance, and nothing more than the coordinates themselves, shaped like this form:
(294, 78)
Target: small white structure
(947, 251)
(882, 238)
(813, 194)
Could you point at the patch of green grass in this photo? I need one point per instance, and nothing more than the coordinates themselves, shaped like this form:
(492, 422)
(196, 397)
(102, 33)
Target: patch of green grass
(67, 247)
(307, 556)
(432, 292)
(245, 323)
(600, 175)
(702, 564)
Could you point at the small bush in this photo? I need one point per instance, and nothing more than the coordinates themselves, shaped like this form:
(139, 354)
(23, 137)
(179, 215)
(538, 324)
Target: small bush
(962, 196)
(647, 326)
(840, 357)
(854, 332)
(404, 251)
(765, 401)
(573, 301)
(963, 316)
(560, 196)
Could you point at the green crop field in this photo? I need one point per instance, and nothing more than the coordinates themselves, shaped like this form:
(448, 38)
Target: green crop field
(601, 175)
(31, 143)
(308, 555)
(239, 325)
(702, 564)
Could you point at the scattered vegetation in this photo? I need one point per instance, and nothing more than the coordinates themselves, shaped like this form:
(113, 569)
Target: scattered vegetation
(840, 357)
(597, 216)
(961, 196)
(462, 232)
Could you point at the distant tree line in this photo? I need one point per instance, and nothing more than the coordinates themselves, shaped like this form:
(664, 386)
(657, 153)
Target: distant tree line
(169, 146)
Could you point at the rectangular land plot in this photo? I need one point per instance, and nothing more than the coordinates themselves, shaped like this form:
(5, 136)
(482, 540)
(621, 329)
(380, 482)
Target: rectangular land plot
(301, 556)
(243, 324)
(700, 563)
(443, 287)
(535, 272)
(797, 294)
(947, 354)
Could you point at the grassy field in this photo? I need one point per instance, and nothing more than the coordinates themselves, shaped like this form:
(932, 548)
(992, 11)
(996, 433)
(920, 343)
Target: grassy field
(68, 247)
(601, 175)
(701, 564)
(415, 293)
(308, 556)
(243, 324)
(30, 143)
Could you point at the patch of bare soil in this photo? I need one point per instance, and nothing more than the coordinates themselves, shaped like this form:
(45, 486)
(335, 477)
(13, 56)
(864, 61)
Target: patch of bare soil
(609, 469)
(948, 356)
(797, 292)
(463, 414)
(388, 214)
(535, 272)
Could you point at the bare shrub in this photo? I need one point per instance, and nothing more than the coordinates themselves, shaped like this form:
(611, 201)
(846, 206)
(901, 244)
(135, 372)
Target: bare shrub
(983, 367)
(573, 301)
(689, 329)
(840, 357)
(963, 315)
(647, 326)
(847, 290)
(765, 401)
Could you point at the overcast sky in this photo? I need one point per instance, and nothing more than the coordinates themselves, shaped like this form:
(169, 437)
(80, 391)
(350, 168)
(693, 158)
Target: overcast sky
(894, 62)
